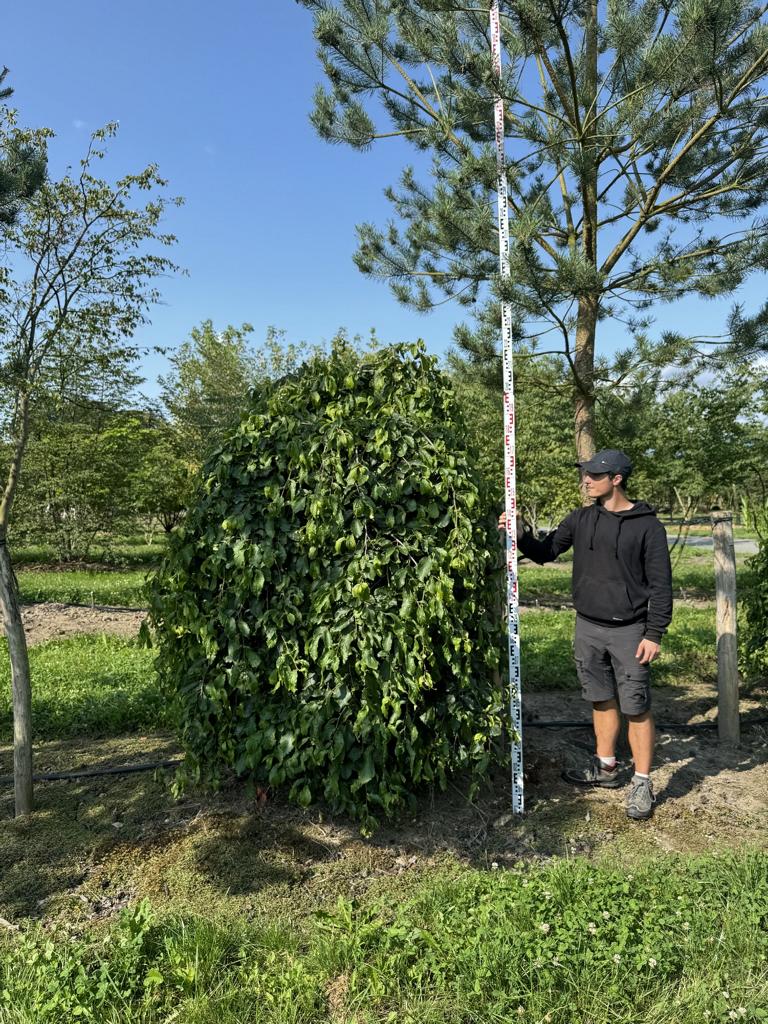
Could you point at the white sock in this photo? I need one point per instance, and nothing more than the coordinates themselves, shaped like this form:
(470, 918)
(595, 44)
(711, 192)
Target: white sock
(607, 762)
(640, 775)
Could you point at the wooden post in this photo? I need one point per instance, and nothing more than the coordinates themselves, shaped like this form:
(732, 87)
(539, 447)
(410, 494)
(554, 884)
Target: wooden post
(727, 654)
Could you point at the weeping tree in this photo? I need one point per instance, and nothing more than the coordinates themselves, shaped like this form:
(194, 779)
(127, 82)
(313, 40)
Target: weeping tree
(81, 259)
(636, 137)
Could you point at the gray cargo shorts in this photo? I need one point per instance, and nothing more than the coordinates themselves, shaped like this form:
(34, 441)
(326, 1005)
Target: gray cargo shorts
(607, 667)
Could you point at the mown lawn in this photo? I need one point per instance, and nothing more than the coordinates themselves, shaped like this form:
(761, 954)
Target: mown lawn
(124, 589)
(688, 649)
(125, 552)
(87, 686)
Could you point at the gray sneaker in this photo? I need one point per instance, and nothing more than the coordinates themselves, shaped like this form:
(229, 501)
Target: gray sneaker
(640, 799)
(595, 774)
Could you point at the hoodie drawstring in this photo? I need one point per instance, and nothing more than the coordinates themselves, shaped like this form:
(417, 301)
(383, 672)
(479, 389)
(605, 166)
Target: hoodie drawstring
(595, 519)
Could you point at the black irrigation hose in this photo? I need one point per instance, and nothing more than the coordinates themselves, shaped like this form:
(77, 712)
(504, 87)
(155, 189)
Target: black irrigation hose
(90, 773)
(663, 726)
(130, 769)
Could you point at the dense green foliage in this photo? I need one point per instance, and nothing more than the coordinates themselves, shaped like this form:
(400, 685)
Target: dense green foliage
(675, 941)
(753, 601)
(324, 614)
(87, 686)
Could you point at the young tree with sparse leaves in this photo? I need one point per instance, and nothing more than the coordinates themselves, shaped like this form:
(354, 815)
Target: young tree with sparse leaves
(636, 137)
(211, 376)
(81, 263)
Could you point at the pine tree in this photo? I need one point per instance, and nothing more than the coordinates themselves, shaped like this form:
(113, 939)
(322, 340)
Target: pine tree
(22, 167)
(636, 135)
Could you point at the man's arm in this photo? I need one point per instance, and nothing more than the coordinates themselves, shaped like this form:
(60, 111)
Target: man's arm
(554, 544)
(658, 572)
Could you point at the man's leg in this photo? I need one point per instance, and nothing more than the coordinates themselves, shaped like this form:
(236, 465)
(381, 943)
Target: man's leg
(598, 686)
(635, 703)
(642, 739)
(606, 721)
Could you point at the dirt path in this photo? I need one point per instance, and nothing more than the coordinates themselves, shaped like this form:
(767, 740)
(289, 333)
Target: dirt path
(54, 621)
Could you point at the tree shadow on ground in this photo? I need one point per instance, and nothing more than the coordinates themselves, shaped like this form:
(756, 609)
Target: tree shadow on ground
(74, 821)
(96, 844)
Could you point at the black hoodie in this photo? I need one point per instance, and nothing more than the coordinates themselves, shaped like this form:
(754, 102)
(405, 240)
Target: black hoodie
(621, 567)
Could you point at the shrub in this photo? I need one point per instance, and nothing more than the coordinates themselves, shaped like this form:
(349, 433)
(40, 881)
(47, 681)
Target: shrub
(753, 625)
(325, 613)
(753, 599)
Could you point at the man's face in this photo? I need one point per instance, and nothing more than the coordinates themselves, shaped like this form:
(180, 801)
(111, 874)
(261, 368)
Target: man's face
(599, 485)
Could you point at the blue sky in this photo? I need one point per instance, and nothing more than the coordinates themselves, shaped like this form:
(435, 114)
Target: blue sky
(219, 96)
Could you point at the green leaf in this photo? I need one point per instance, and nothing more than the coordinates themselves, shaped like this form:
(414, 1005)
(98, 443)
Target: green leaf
(424, 568)
(367, 770)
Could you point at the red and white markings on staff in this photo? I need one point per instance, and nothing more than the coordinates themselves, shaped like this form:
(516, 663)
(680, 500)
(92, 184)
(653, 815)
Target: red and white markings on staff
(510, 483)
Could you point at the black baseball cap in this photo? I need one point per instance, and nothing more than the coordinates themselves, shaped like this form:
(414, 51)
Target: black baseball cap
(607, 460)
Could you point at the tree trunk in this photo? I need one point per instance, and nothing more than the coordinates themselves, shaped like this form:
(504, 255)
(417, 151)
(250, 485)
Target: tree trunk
(14, 627)
(586, 320)
(728, 726)
(20, 681)
(584, 389)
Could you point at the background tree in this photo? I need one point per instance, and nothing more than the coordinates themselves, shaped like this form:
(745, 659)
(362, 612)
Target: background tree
(636, 135)
(547, 479)
(163, 481)
(80, 480)
(696, 441)
(211, 376)
(86, 441)
(80, 266)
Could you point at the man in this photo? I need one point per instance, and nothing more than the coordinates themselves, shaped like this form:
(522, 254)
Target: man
(622, 592)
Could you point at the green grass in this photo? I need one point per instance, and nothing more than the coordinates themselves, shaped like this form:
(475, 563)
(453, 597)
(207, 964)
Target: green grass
(676, 942)
(119, 552)
(705, 530)
(105, 685)
(688, 649)
(89, 685)
(123, 589)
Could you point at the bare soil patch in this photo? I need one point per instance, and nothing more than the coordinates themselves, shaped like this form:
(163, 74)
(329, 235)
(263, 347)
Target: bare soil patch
(50, 621)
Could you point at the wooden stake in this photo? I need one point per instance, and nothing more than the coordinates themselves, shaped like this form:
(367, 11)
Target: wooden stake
(728, 728)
